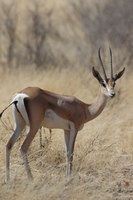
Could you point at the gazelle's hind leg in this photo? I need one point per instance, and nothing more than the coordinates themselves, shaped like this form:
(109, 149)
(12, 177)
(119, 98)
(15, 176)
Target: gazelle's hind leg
(25, 146)
(19, 126)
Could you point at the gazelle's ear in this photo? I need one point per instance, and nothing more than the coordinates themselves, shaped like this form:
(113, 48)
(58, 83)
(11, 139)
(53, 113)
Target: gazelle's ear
(97, 75)
(119, 75)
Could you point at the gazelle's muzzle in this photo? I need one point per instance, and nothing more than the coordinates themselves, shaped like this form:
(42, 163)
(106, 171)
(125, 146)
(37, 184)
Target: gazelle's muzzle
(111, 93)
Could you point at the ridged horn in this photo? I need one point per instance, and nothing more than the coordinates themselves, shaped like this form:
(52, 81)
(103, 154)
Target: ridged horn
(104, 73)
(111, 67)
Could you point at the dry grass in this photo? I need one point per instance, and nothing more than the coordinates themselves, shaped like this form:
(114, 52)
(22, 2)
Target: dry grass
(103, 157)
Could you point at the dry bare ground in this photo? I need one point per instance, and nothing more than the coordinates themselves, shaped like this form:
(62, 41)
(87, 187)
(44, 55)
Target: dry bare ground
(71, 32)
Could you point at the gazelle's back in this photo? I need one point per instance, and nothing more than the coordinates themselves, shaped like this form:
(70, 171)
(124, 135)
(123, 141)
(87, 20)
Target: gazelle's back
(67, 107)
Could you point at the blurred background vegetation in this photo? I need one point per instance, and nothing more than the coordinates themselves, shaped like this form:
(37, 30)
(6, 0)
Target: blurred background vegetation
(65, 33)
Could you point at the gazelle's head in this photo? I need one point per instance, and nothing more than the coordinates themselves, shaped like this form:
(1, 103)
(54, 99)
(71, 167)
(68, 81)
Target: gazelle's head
(107, 84)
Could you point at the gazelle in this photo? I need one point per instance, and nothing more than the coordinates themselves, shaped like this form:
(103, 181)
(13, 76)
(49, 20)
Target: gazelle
(35, 107)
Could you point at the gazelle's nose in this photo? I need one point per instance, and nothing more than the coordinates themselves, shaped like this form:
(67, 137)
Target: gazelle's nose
(113, 94)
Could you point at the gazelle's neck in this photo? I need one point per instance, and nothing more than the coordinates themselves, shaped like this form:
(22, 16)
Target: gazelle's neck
(97, 106)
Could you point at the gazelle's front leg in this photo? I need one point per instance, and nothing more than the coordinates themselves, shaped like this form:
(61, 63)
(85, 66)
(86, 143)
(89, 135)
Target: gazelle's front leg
(67, 136)
(70, 142)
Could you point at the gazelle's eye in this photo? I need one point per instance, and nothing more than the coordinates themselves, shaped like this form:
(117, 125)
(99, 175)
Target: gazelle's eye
(103, 84)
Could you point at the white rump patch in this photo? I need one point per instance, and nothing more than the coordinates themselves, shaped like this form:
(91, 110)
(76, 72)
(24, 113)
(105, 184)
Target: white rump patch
(19, 97)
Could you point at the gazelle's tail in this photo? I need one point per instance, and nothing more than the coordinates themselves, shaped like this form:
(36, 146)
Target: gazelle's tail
(13, 102)
(18, 101)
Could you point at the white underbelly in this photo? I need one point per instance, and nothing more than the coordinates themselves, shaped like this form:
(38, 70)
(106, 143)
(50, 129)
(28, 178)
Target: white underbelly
(52, 121)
